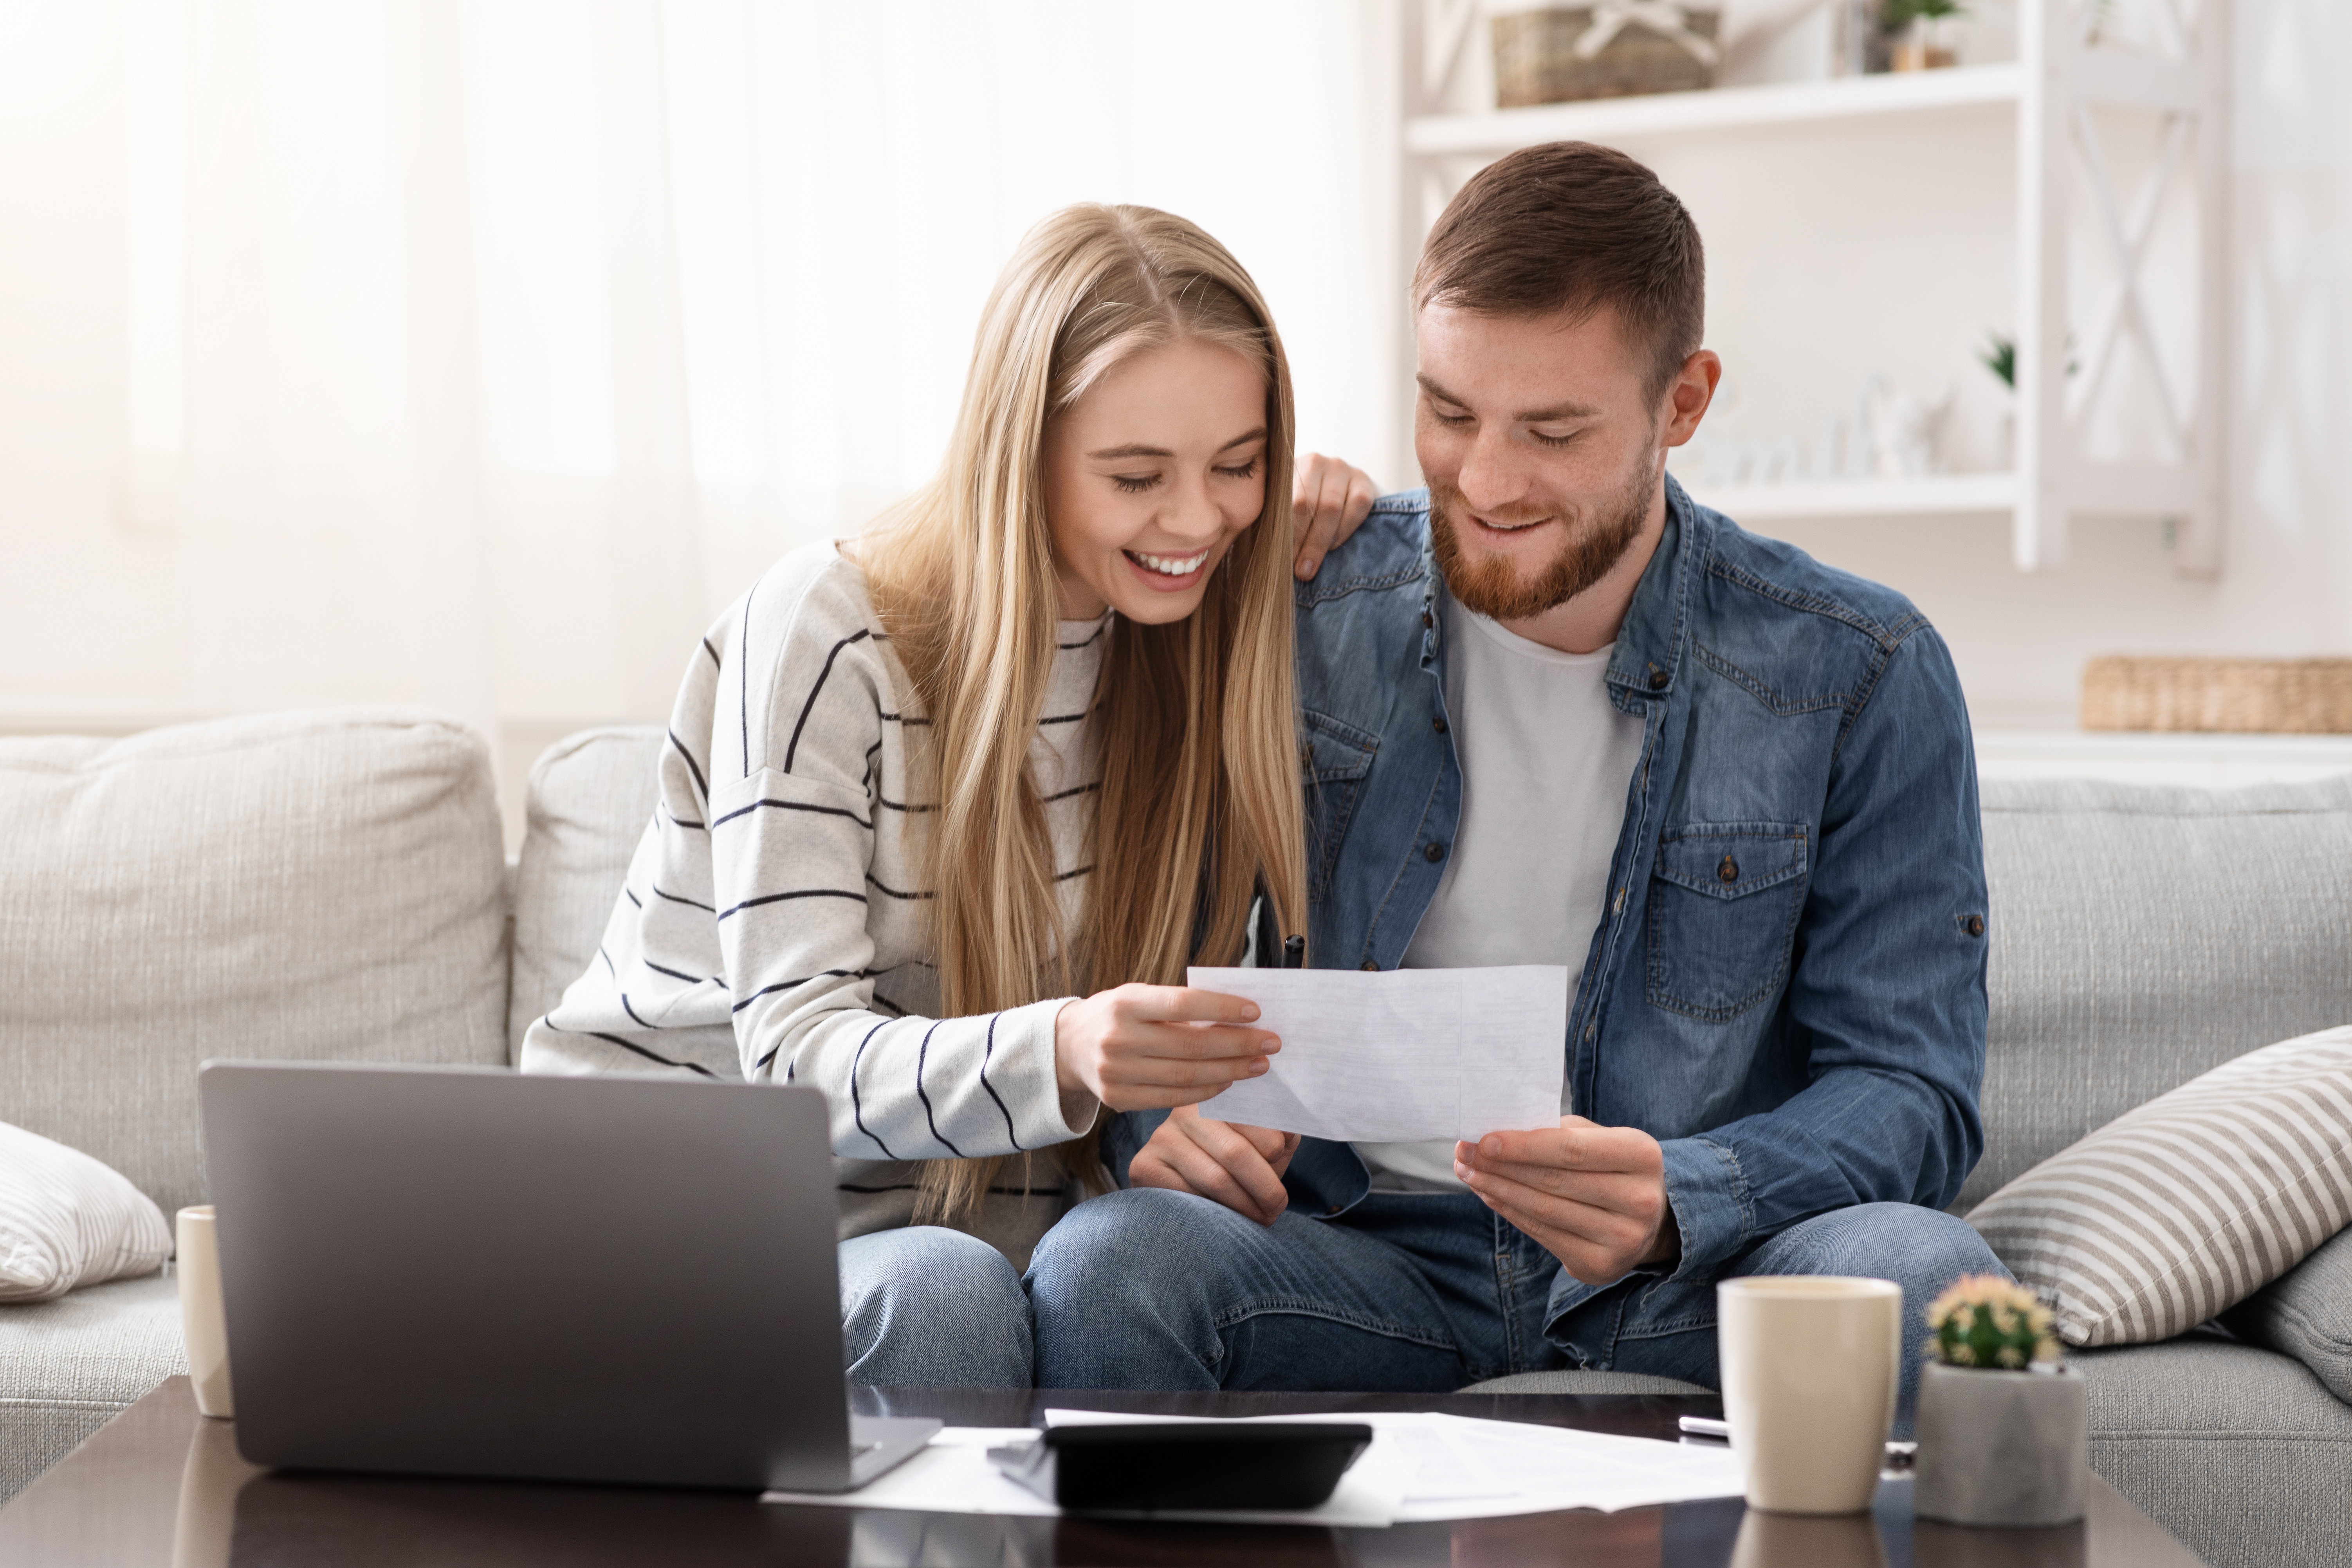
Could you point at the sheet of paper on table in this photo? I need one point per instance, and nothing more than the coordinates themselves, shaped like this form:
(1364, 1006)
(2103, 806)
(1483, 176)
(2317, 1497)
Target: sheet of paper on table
(1420, 1466)
(1400, 1055)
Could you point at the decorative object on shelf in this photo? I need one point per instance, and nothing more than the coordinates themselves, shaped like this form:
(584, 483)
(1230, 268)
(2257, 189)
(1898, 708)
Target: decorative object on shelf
(1920, 32)
(1613, 48)
(1891, 434)
(1863, 44)
(2003, 1428)
(1903, 431)
(2263, 696)
(1999, 356)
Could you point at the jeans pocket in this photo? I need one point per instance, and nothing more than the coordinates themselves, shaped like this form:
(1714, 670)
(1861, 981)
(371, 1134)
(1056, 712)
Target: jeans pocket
(1724, 898)
(1333, 761)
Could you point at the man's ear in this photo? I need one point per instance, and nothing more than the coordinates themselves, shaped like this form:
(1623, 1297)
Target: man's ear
(1689, 395)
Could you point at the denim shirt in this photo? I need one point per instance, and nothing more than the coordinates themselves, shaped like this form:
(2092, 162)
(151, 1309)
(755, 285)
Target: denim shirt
(1787, 987)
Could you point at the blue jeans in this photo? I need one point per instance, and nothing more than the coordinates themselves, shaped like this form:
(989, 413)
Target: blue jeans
(1418, 1292)
(926, 1307)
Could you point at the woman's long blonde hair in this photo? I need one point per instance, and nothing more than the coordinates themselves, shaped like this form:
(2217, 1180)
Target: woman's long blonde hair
(1193, 722)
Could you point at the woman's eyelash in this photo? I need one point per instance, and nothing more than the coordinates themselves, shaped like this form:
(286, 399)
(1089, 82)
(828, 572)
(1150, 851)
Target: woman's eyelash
(1136, 484)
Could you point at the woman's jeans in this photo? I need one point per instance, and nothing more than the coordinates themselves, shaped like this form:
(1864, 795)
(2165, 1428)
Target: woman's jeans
(1412, 1292)
(926, 1307)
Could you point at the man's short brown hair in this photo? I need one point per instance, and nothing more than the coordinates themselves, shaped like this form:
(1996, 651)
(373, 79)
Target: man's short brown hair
(1572, 227)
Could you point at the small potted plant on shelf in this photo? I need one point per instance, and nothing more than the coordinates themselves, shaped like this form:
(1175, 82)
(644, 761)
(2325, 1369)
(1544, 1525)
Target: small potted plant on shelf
(2003, 1432)
(1920, 32)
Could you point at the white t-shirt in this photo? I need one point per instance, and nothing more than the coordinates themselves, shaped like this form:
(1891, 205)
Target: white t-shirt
(1545, 761)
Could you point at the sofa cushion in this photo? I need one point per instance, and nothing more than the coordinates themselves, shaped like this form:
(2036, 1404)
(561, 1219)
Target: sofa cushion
(589, 799)
(2308, 1314)
(67, 1220)
(296, 886)
(2139, 936)
(2189, 1204)
(67, 1366)
(2238, 1452)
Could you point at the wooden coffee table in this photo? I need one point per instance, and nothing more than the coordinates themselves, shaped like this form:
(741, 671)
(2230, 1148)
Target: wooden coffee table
(161, 1485)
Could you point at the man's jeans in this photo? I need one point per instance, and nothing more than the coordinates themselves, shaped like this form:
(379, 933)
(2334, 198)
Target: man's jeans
(926, 1307)
(1412, 1292)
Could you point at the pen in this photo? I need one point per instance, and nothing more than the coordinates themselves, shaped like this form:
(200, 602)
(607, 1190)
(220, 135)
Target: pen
(1898, 1454)
(1294, 952)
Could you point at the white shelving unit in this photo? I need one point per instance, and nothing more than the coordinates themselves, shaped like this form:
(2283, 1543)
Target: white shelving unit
(2092, 333)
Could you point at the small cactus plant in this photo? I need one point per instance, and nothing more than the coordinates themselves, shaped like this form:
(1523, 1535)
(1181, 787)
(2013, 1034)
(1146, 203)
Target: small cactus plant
(1985, 1321)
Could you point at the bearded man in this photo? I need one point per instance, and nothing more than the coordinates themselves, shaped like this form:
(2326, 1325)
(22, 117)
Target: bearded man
(1553, 712)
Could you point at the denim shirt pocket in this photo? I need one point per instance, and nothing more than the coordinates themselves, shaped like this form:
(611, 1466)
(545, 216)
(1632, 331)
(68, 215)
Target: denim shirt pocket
(1724, 900)
(1334, 759)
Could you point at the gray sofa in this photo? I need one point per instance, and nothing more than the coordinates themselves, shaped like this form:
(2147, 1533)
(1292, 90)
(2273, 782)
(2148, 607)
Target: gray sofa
(332, 886)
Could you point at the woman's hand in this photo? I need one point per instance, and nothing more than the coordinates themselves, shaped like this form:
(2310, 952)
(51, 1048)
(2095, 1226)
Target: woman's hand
(1328, 500)
(1240, 1167)
(1143, 1047)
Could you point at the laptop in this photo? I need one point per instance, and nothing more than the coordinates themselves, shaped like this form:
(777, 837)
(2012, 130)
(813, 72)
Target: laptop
(467, 1271)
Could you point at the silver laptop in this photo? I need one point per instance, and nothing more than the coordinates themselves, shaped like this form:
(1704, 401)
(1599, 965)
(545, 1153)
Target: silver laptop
(469, 1272)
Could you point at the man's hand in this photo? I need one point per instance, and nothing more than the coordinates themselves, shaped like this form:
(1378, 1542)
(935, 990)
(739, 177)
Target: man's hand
(1240, 1167)
(1595, 1197)
(1329, 501)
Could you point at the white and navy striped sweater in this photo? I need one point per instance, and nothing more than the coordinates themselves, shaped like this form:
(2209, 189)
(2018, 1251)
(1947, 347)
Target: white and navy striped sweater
(771, 926)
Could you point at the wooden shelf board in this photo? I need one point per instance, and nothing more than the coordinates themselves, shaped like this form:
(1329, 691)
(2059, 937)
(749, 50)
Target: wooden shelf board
(1718, 109)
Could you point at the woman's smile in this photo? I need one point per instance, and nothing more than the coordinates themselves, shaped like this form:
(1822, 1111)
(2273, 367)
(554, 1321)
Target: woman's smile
(1168, 574)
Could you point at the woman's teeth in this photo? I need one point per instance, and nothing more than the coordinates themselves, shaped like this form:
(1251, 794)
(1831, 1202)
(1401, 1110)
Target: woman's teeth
(1170, 565)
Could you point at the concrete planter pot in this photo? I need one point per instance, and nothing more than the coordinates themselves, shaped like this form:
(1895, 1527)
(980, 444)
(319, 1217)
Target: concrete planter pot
(2001, 1448)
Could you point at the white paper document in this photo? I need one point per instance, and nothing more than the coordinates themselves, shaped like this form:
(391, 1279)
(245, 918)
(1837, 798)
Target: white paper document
(1419, 1468)
(1402, 1055)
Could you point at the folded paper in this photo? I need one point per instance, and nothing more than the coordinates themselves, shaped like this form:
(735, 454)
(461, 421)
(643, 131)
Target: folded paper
(1402, 1055)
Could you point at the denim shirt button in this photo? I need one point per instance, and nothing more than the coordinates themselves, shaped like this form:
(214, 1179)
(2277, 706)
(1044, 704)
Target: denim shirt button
(1657, 678)
(1369, 964)
(1976, 925)
(1427, 619)
(1435, 852)
(1438, 723)
(1728, 871)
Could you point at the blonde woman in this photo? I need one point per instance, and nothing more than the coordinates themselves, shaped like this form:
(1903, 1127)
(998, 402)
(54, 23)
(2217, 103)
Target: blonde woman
(945, 812)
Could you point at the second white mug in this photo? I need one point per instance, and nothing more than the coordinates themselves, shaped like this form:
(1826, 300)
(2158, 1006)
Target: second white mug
(202, 1324)
(1810, 1365)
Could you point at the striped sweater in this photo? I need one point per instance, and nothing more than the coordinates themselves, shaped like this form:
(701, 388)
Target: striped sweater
(771, 925)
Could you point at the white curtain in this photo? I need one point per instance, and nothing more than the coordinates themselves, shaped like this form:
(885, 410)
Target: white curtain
(474, 353)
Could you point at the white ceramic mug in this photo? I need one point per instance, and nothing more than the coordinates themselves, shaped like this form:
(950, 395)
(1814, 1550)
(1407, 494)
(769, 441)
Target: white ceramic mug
(1810, 1365)
(202, 1324)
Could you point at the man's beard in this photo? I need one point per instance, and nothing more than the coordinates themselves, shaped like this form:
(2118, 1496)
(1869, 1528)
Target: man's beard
(1489, 585)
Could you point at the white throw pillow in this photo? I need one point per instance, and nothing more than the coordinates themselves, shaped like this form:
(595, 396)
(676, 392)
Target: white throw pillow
(68, 1220)
(2172, 1213)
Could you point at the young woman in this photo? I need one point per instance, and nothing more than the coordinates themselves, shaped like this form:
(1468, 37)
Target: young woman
(1032, 738)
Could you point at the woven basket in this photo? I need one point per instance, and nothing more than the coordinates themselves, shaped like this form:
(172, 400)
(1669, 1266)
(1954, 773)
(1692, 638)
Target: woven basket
(1536, 59)
(2270, 696)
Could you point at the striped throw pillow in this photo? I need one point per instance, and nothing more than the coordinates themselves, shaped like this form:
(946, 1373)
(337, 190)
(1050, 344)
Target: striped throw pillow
(2176, 1211)
(67, 1219)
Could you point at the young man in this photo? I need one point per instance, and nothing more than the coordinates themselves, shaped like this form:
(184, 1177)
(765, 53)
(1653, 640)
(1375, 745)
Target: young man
(1556, 714)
